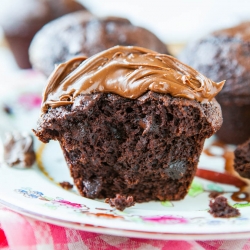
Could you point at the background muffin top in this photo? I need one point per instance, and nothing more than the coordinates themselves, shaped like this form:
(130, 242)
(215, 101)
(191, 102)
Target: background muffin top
(19, 16)
(82, 33)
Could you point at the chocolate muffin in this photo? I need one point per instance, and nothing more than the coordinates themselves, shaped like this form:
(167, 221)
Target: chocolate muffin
(225, 55)
(21, 19)
(130, 122)
(242, 159)
(84, 34)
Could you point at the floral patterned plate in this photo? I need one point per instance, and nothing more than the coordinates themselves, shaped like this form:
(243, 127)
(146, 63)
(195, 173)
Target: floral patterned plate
(36, 192)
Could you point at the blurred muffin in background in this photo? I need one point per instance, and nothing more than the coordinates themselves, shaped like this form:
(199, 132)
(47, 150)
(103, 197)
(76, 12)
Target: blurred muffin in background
(242, 159)
(21, 19)
(225, 55)
(84, 34)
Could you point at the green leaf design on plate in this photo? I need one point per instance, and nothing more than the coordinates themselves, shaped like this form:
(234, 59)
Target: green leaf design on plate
(122, 213)
(46, 198)
(240, 205)
(214, 187)
(134, 219)
(128, 217)
(50, 206)
(195, 189)
(167, 204)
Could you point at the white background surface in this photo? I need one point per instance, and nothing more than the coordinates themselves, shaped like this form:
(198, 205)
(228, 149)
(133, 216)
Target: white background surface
(176, 21)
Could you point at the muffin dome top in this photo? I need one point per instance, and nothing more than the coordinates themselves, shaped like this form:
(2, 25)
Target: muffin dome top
(129, 72)
(81, 33)
(224, 54)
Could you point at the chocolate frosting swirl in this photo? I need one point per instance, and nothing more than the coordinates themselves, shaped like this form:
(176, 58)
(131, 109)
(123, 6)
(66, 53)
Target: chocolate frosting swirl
(129, 72)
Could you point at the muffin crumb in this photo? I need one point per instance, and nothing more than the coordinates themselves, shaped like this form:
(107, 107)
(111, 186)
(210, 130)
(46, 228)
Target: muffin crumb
(18, 150)
(66, 185)
(121, 202)
(219, 207)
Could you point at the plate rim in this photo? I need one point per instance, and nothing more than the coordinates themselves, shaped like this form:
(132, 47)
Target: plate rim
(119, 231)
(125, 232)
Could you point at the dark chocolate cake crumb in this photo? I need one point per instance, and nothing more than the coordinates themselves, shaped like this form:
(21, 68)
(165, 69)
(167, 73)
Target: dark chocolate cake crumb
(214, 194)
(66, 185)
(121, 202)
(18, 150)
(219, 207)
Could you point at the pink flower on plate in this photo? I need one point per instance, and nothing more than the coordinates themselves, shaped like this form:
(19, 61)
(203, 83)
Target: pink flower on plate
(69, 204)
(30, 100)
(165, 219)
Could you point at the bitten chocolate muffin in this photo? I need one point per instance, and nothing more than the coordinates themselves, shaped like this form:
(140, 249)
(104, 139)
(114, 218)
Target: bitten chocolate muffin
(21, 19)
(225, 55)
(242, 159)
(130, 121)
(84, 34)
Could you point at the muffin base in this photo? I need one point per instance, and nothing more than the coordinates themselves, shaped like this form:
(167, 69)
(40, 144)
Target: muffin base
(147, 148)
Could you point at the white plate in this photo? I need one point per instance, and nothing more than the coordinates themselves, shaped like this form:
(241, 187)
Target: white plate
(35, 192)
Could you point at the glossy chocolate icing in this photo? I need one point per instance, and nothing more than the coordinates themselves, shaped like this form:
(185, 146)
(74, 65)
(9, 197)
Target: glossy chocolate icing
(129, 72)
